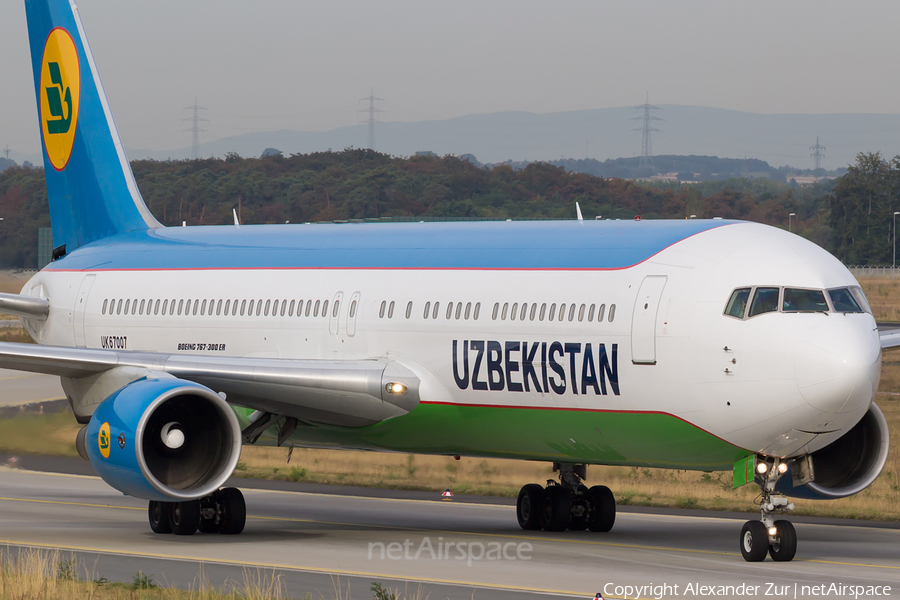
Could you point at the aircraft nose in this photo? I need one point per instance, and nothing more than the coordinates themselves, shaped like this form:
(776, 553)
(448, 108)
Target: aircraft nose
(838, 363)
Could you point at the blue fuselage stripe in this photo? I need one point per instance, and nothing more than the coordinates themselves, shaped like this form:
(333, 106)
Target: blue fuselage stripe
(480, 245)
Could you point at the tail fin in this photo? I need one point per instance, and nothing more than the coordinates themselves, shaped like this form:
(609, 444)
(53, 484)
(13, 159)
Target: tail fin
(90, 185)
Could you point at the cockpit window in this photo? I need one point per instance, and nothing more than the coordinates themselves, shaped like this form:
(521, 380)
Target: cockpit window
(764, 300)
(738, 303)
(843, 301)
(804, 301)
(861, 298)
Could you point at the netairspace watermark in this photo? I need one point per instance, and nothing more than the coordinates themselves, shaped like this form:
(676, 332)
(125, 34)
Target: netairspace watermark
(470, 552)
(775, 590)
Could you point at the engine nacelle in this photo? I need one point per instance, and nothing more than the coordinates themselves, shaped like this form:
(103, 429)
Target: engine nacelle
(850, 464)
(164, 439)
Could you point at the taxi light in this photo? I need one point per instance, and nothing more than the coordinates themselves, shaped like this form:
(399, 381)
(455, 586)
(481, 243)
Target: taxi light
(396, 388)
(782, 468)
(773, 531)
(761, 468)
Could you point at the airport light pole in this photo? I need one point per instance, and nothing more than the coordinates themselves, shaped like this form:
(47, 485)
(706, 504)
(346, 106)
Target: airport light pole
(790, 216)
(894, 262)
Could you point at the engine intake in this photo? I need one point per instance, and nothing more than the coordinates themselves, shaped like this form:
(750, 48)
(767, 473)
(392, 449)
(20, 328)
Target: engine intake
(850, 464)
(164, 439)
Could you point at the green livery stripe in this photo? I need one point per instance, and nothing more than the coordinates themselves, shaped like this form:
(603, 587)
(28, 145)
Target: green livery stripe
(649, 439)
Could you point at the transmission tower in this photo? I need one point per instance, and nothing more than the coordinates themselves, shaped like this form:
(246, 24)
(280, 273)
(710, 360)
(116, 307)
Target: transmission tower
(195, 129)
(818, 153)
(646, 129)
(6, 151)
(371, 120)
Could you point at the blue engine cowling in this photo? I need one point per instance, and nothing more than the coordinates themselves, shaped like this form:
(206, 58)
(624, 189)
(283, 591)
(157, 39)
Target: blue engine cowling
(847, 466)
(164, 439)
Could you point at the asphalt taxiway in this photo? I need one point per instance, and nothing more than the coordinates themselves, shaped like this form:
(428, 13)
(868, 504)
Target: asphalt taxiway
(19, 387)
(317, 541)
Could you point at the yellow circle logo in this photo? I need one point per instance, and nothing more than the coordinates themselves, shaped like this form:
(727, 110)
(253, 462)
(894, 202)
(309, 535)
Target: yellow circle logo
(103, 440)
(60, 93)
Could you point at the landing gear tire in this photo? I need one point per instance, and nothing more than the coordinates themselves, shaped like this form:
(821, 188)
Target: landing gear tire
(755, 541)
(529, 507)
(185, 517)
(557, 508)
(233, 511)
(785, 547)
(601, 505)
(158, 513)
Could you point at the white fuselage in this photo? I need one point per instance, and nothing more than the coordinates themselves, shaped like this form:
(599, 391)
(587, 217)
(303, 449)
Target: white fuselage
(781, 383)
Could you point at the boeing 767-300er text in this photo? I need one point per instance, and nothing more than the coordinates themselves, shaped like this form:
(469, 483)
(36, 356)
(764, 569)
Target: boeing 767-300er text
(709, 345)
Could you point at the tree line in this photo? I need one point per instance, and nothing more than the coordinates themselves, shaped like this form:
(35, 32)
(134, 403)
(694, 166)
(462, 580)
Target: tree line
(363, 184)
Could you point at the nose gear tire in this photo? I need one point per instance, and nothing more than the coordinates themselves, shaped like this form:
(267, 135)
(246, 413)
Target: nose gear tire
(786, 546)
(754, 541)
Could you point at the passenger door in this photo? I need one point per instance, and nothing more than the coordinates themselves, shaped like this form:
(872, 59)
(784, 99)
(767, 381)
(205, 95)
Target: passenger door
(80, 308)
(643, 320)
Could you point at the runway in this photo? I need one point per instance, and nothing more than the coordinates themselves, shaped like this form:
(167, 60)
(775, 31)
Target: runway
(315, 541)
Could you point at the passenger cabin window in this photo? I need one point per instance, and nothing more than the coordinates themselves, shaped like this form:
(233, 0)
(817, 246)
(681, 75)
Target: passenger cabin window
(843, 301)
(764, 300)
(408, 309)
(737, 304)
(796, 300)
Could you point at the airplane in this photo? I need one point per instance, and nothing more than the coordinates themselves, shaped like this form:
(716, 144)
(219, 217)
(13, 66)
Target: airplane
(708, 345)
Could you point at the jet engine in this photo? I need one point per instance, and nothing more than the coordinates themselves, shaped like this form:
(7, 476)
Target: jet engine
(849, 465)
(163, 439)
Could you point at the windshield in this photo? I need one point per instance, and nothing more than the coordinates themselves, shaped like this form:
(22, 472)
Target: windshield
(796, 300)
(738, 303)
(764, 300)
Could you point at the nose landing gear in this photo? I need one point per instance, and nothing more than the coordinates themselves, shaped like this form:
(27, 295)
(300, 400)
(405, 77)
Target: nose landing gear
(768, 536)
(568, 504)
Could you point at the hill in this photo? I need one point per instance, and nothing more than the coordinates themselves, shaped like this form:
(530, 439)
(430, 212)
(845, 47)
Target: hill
(608, 132)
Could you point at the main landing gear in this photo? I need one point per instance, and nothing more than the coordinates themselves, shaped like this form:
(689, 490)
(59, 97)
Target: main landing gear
(568, 504)
(222, 512)
(768, 536)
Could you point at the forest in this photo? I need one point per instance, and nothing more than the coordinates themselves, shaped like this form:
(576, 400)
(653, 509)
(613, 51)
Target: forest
(363, 184)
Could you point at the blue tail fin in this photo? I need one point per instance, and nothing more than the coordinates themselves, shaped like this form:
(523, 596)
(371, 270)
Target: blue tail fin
(90, 185)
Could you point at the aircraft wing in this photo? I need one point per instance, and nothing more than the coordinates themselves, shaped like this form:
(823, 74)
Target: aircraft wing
(349, 393)
(890, 338)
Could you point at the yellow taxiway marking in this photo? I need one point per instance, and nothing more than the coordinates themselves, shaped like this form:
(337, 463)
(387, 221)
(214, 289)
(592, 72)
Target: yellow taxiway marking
(19, 376)
(265, 565)
(472, 533)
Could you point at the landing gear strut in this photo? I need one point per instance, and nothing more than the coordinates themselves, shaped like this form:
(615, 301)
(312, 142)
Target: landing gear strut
(768, 536)
(567, 504)
(222, 512)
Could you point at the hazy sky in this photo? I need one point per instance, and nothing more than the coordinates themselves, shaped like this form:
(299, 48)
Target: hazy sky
(267, 64)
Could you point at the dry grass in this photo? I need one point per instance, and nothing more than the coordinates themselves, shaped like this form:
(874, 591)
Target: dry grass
(49, 575)
(33, 574)
(31, 432)
(12, 282)
(14, 334)
(884, 297)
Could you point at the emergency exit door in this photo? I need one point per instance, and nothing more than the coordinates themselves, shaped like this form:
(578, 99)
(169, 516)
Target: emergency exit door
(643, 320)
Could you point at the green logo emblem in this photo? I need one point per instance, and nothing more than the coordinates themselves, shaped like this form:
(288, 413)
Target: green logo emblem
(56, 95)
(104, 440)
